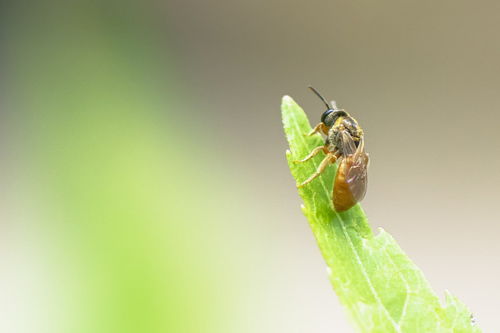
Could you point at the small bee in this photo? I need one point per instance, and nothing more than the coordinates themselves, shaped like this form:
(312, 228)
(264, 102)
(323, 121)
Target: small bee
(344, 141)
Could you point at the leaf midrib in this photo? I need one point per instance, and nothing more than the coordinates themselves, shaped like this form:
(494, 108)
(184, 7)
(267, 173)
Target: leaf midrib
(351, 244)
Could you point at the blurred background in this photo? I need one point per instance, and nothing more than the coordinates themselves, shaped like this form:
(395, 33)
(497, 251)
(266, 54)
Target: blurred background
(144, 186)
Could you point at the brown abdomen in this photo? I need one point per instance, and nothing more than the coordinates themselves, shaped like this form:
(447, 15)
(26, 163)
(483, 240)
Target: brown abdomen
(342, 196)
(350, 181)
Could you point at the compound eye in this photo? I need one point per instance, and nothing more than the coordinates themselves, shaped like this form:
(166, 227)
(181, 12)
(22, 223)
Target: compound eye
(325, 117)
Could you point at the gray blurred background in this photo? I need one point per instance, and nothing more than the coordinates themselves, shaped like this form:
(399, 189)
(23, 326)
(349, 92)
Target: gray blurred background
(423, 79)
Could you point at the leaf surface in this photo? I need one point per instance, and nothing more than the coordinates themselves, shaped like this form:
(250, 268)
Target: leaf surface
(379, 286)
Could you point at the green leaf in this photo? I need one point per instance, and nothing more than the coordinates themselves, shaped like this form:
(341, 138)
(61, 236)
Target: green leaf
(382, 290)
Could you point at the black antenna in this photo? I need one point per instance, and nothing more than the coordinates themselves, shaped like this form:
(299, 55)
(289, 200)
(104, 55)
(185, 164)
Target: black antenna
(321, 97)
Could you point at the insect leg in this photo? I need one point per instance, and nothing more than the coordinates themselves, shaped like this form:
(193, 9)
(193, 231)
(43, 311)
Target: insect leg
(313, 153)
(329, 159)
(316, 129)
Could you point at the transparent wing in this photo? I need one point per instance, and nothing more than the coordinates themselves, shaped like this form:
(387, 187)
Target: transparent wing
(357, 173)
(348, 147)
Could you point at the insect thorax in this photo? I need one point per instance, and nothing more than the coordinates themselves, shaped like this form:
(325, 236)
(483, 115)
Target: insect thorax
(348, 124)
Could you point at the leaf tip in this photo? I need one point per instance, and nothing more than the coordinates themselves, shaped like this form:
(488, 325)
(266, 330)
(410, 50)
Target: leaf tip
(287, 100)
(287, 104)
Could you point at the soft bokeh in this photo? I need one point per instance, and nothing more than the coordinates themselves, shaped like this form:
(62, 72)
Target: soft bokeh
(144, 184)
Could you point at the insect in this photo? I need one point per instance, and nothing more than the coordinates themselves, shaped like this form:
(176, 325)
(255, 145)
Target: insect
(344, 142)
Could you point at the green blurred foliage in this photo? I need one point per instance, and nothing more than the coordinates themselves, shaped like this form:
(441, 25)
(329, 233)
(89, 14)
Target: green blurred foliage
(113, 185)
